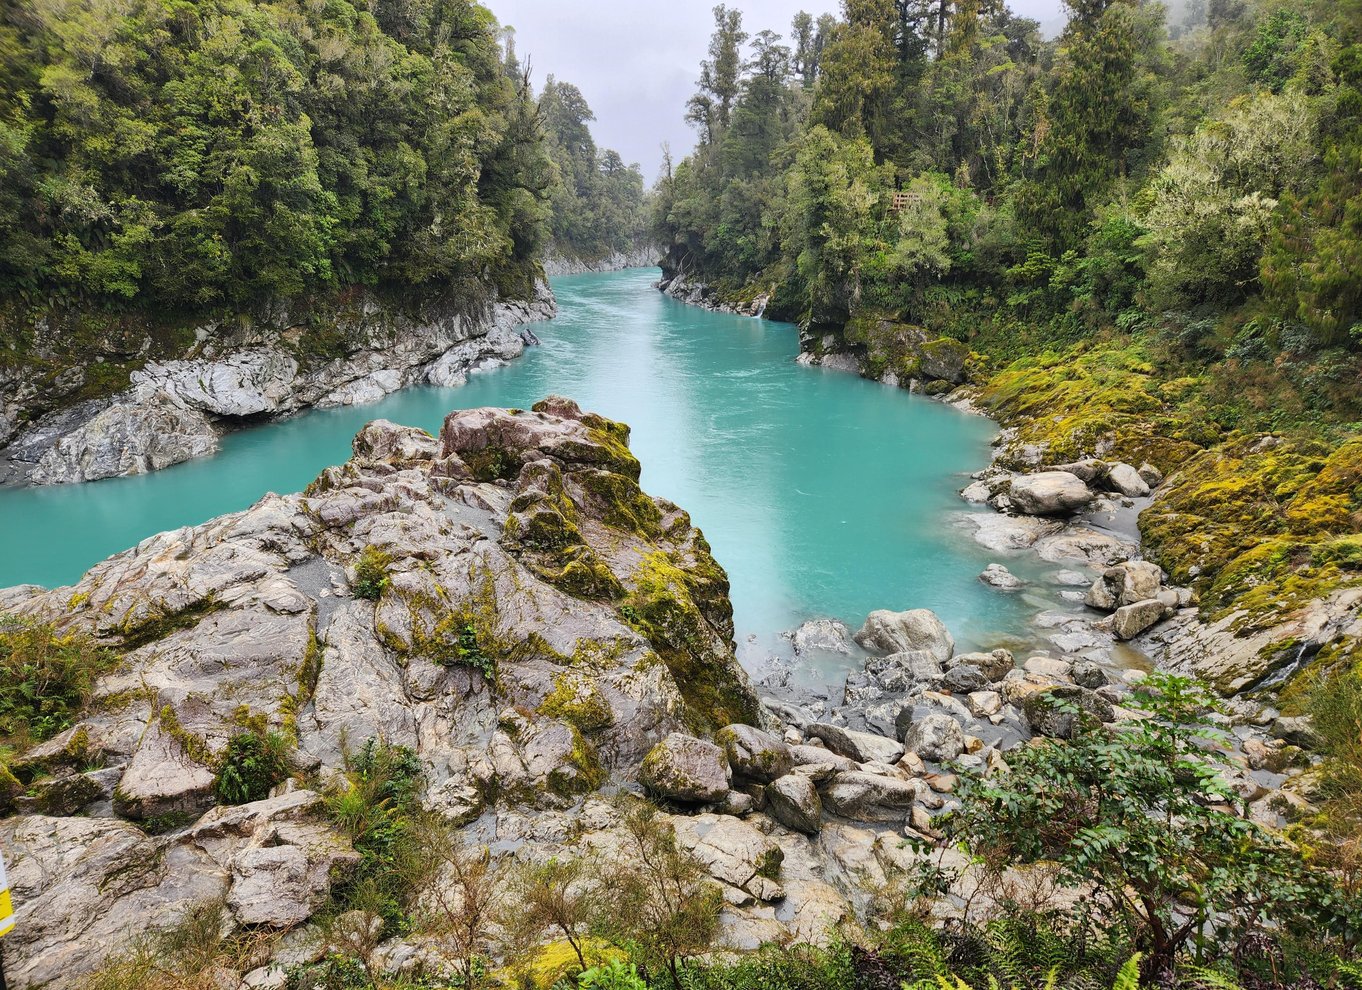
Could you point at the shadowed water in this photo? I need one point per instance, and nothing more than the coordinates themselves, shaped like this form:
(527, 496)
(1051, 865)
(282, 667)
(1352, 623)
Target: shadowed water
(821, 493)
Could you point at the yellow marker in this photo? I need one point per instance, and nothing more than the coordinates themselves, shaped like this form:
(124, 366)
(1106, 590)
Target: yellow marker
(6, 906)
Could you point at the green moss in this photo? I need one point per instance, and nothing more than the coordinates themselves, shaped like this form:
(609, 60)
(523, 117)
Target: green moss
(1087, 402)
(588, 774)
(492, 463)
(371, 573)
(160, 624)
(577, 700)
(618, 502)
(662, 606)
(194, 745)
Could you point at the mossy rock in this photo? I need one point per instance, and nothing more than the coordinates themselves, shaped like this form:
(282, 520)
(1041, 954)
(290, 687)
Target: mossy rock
(576, 700)
(662, 606)
(618, 502)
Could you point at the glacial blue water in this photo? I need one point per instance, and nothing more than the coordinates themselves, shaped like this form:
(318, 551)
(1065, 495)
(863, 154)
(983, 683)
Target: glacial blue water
(822, 494)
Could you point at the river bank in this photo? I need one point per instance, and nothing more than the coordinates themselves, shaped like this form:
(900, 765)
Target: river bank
(177, 409)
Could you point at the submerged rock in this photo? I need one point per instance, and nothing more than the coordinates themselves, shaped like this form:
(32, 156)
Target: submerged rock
(998, 576)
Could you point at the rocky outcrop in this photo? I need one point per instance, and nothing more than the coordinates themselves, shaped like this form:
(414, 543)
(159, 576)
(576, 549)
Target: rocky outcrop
(537, 627)
(126, 438)
(174, 410)
(683, 288)
(643, 256)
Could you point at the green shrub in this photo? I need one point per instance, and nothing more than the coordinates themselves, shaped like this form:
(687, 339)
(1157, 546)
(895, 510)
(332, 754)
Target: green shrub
(614, 975)
(252, 765)
(46, 678)
(1136, 814)
(379, 810)
(371, 574)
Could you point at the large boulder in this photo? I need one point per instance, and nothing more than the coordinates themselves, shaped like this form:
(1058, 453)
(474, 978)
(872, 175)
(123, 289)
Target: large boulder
(936, 737)
(1125, 584)
(1131, 620)
(870, 797)
(863, 747)
(1127, 480)
(899, 632)
(754, 755)
(793, 801)
(1059, 712)
(683, 768)
(901, 672)
(1050, 493)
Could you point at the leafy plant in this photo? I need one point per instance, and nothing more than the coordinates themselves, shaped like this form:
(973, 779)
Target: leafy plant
(252, 765)
(371, 574)
(1138, 815)
(46, 678)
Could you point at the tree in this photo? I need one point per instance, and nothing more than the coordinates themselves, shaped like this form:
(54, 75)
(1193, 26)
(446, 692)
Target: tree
(859, 72)
(1139, 815)
(661, 897)
(720, 75)
(559, 895)
(1215, 200)
(1099, 119)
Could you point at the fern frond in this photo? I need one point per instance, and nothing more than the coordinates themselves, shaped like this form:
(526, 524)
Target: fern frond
(1129, 976)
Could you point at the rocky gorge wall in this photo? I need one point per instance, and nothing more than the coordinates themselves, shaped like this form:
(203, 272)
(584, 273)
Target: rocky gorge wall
(556, 264)
(176, 408)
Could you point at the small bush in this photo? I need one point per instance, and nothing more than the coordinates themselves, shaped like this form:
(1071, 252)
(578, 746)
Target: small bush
(46, 678)
(371, 574)
(252, 765)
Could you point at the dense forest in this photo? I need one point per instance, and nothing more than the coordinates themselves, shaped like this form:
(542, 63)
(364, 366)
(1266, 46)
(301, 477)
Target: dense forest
(1189, 179)
(215, 155)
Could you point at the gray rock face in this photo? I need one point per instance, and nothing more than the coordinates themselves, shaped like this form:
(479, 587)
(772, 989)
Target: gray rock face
(163, 779)
(754, 755)
(126, 439)
(1049, 493)
(173, 409)
(1131, 620)
(870, 797)
(1059, 712)
(994, 665)
(682, 768)
(900, 672)
(964, 678)
(794, 802)
(899, 632)
(85, 886)
(863, 747)
(935, 737)
(1125, 584)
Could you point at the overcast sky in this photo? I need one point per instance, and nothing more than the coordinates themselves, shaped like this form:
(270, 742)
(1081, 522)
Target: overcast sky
(636, 62)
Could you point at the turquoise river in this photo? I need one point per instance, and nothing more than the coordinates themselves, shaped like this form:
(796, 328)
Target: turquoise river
(822, 494)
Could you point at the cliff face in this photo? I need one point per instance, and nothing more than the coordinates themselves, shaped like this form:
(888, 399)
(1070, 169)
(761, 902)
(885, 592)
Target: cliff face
(182, 395)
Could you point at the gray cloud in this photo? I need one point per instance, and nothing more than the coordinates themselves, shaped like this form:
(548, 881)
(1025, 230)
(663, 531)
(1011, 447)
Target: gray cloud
(636, 62)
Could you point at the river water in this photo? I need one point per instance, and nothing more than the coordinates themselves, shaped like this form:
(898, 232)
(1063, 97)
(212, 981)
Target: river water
(822, 494)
